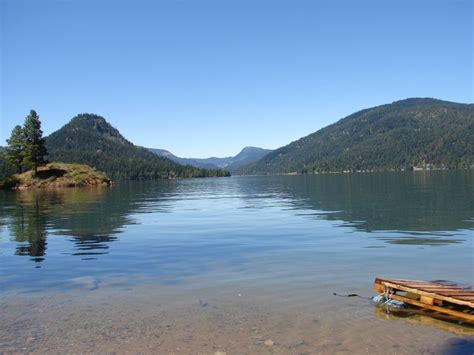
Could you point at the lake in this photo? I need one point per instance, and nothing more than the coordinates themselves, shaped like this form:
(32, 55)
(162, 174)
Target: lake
(225, 264)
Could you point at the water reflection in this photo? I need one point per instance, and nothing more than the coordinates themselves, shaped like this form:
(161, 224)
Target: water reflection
(91, 217)
(29, 230)
(404, 208)
(412, 208)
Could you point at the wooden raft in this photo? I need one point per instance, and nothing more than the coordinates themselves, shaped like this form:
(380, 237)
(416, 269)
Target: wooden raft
(453, 300)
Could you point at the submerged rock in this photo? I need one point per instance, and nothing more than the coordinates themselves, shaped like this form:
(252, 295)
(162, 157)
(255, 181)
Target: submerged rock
(85, 282)
(203, 303)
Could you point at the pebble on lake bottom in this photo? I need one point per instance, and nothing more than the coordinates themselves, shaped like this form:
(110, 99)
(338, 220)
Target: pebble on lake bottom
(268, 342)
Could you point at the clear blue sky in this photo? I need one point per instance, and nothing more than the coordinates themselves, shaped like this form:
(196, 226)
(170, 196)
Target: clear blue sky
(204, 78)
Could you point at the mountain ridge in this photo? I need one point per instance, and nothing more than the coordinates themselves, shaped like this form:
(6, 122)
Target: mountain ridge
(246, 156)
(90, 139)
(403, 135)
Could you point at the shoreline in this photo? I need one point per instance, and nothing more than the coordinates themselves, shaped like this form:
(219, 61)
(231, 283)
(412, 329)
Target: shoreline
(205, 321)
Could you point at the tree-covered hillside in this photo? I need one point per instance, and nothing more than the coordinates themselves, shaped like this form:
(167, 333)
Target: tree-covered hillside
(411, 133)
(90, 139)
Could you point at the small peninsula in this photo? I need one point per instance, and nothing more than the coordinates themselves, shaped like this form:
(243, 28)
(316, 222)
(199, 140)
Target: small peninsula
(55, 175)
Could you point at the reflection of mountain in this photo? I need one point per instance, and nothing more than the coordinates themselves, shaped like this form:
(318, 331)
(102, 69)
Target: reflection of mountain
(407, 208)
(91, 216)
(410, 208)
(420, 205)
(407, 202)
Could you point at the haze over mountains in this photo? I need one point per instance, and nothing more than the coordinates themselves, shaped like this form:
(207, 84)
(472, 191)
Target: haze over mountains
(406, 134)
(246, 156)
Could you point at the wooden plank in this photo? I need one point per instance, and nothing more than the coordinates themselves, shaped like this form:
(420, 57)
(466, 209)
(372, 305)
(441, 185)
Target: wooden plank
(420, 282)
(447, 289)
(428, 285)
(459, 297)
(437, 288)
(422, 286)
(425, 284)
(429, 294)
(379, 288)
(427, 300)
(457, 293)
(466, 316)
(449, 292)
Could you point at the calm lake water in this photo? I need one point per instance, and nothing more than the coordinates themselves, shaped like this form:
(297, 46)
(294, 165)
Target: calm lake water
(224, 264)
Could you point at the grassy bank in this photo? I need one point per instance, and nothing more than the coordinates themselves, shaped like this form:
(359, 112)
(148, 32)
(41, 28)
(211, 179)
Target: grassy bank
(56, 175)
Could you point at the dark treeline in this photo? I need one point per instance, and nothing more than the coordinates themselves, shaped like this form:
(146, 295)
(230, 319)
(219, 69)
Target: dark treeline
(5, 168)
(90, 139)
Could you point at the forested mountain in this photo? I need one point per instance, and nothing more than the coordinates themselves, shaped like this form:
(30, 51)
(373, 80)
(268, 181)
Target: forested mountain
(90, 139)
(406, 134)
(200, 163)
(246, 156)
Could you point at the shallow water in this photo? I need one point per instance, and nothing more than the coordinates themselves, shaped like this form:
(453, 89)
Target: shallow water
(205, 265)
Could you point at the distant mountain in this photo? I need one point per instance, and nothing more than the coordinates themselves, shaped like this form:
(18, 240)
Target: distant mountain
(200, 163)
(246, 156)
(406, 134)
(90, 139)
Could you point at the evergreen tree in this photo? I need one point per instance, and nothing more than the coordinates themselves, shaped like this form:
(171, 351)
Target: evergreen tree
(35, 149)
(15, 152)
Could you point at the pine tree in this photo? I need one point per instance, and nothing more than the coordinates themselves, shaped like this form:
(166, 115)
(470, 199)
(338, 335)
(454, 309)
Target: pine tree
(15, 152)
(35, 149)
